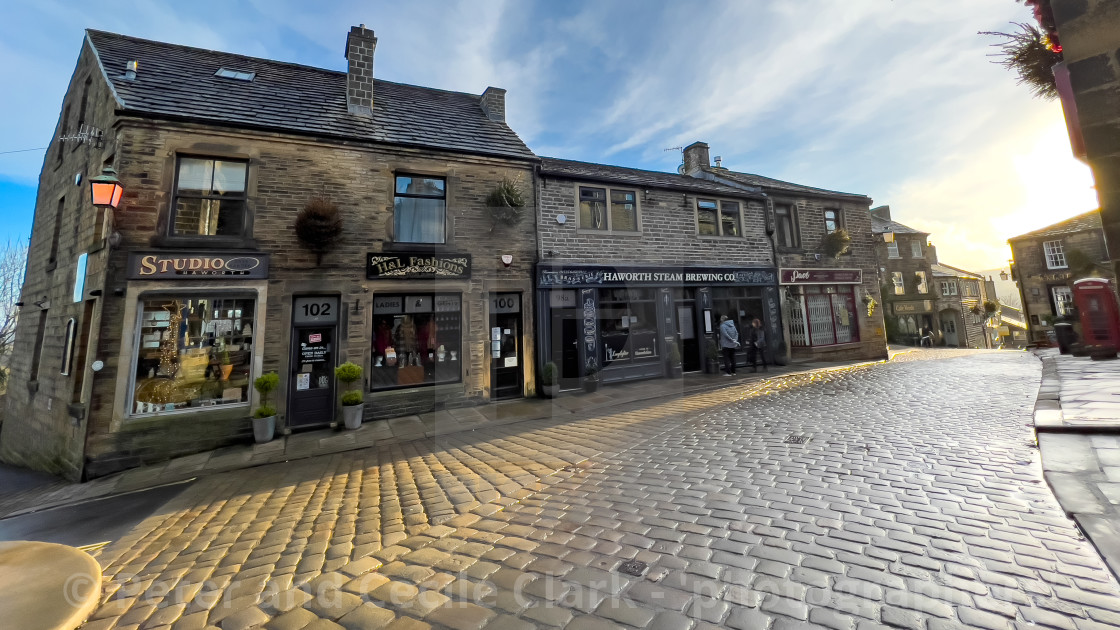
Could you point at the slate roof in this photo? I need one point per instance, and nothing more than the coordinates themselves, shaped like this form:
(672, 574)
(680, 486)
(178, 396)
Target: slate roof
(636, 177)
(750, 179)
(176, 81)
(943, 270)
(1083, 222)
(879, 226)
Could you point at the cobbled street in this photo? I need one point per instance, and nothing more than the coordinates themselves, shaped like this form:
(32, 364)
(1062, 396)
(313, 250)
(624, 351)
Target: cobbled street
(907, 494)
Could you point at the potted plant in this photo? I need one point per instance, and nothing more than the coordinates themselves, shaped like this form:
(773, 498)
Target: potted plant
(264, 418)
(675, 369)
(353, 403)
(550, 380)
(711, 365)
(591, 379)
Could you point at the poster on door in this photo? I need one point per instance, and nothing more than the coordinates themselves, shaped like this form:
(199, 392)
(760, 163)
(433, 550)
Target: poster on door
(303, 381)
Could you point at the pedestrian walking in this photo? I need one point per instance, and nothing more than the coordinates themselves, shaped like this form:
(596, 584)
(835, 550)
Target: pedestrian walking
(756, 345)
(729, 341)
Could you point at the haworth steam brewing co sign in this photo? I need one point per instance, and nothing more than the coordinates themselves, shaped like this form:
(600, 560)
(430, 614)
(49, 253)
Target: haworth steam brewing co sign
(196, 265)
(413, 266)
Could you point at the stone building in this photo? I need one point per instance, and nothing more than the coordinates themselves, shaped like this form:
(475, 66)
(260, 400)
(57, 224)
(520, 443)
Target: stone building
(142, 329)
(905, 259)
(830, 304)
(1088, 82)
(1048, 260)
(961, 296)
(633, 262)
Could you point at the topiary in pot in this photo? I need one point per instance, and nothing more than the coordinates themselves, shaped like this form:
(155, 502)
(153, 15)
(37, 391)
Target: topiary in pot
(591, 379)
(674, 360)
(264, 418)
(318, 226)
(550, 380)
(353, 403)
(505, 204)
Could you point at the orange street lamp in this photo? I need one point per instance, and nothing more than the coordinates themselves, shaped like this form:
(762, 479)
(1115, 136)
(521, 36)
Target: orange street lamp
(106, 189)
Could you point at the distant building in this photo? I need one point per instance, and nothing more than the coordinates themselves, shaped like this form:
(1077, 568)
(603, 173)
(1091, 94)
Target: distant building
(1047, 261)
(1012, 331)
(960, 307)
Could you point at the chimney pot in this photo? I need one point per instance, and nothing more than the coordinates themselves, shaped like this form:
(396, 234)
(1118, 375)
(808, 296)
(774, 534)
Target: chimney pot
(493, 103)
(360, 45)
(696, 158)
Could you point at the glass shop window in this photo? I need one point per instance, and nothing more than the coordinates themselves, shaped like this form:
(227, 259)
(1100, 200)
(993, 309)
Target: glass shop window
(628, 326)
(417, 340)
(193, 351)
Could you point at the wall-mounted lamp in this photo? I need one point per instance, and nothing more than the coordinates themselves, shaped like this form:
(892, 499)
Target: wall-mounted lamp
(95, 293)
(507, 260)
(106, 189)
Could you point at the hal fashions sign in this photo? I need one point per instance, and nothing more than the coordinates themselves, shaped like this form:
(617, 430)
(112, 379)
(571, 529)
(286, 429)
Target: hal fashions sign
(571, 276)
(821, 276)
(196, 265)
(413, 266)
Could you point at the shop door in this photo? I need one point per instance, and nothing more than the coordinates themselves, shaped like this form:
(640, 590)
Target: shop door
(506, 370)
(691, 352)
(311, 391)
(565, 346)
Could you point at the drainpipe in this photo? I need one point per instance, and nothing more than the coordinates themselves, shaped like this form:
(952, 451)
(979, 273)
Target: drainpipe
(784, 323)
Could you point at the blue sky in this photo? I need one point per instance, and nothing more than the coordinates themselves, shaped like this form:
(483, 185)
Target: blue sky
(895, 100)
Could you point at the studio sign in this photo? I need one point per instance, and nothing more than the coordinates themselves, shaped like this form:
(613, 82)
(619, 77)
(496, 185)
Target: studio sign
(195, 265)
(401, 266)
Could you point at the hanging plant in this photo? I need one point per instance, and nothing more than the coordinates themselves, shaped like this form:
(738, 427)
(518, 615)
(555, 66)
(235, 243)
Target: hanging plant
(835, 243)
(505, 204)
(870, 303)
(318, 226)
(1031, 54)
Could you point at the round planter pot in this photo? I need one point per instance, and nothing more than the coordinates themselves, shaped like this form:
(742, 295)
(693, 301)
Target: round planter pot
(352, 415)
(591, 385)
(264, 429)
(550, 391)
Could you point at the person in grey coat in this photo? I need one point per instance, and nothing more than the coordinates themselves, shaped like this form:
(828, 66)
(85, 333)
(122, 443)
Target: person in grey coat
(729, 341)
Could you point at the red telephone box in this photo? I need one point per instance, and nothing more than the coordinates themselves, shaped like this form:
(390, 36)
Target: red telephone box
(1100, 313)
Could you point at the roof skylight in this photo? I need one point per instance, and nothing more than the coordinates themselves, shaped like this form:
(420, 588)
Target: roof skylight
(238, 75)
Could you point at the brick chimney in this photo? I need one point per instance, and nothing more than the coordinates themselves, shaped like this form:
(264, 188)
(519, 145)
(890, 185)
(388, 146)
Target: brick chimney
(360, 43)
(696, 158)
(493, 102)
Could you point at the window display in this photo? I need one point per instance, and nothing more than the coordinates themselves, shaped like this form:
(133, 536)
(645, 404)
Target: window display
(628, 326)
(417, 340)
(192, 352)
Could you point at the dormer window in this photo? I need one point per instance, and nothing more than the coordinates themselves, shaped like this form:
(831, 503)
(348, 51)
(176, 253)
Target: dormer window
(236, 75)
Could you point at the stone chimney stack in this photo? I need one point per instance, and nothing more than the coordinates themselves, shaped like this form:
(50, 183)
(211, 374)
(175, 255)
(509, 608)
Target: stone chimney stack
(696, 158)
(493, 102)
(360, 43)
(882, 212)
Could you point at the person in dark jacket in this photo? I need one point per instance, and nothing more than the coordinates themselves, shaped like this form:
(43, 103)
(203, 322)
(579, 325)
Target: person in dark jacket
(756, 345)
(729, 341)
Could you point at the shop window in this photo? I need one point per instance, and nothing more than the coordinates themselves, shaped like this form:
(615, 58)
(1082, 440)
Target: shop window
(831, 221)
(594, 215)
(718, 218)
(1055, 255)
(823, 315)
(892, 250)
(896, 280)
(628, 326)
(786, 226)
(417, 340)
(193, 351)
(209, 197)
(420, 209)
(915, 249)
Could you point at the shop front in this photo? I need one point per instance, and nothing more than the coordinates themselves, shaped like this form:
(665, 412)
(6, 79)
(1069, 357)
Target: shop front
(196, 336)
(821, 306)
(914, 317)
(624, 322)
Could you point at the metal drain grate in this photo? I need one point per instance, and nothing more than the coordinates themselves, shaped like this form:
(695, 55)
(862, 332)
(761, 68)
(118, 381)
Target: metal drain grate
(633, 567)
(796, 439)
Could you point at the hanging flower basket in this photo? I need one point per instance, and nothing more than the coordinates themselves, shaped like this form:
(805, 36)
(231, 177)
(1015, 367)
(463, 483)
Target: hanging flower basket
(505, 205)
(318, 226)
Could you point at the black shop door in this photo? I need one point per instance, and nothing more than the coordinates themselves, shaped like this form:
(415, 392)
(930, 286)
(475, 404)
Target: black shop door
(311, 390)
(505, 356)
